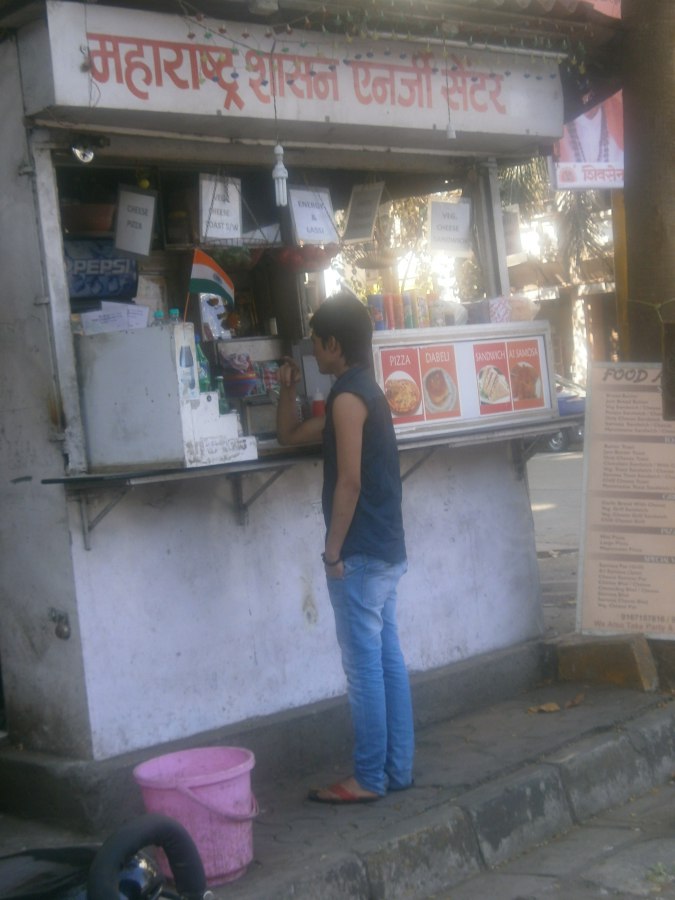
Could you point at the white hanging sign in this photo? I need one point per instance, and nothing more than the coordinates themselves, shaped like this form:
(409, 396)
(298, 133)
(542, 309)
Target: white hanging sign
(135, 220)
(219, 209)
(312, 216)
(362, 212)
(450, 226)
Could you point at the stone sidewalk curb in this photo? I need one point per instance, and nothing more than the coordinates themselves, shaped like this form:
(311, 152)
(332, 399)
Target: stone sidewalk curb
(487, 825)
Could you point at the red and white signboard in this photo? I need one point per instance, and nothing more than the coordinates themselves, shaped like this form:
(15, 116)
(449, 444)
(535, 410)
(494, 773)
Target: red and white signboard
(449, 379)
(245, 74)
(590, 154)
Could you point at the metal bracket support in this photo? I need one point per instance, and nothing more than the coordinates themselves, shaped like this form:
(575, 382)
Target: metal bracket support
(88, 524)
(521, 452)
(419, 462)
(243, 506)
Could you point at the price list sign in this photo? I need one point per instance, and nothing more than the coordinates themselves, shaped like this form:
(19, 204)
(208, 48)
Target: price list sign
(627, 567)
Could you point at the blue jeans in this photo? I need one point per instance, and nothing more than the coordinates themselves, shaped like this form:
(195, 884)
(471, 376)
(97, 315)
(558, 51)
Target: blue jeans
(364, 603)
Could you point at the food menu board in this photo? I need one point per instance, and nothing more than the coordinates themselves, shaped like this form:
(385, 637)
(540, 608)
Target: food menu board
(627, 552)
(466, 377)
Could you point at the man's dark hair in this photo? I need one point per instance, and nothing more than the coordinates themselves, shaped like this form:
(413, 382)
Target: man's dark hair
(345, 318)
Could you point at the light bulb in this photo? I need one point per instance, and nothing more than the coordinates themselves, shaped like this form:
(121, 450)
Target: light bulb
(280, 176)
(82, 152)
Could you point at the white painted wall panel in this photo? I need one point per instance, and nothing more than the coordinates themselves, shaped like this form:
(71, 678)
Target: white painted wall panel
(190, 621)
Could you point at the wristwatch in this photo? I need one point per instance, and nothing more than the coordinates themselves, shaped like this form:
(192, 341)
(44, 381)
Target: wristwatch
(330, 563)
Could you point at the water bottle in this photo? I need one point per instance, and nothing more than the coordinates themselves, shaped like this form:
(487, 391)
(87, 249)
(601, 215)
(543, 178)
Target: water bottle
(187, 374)
(174, 316)
(203, 368)
(223, 404)
(157, 318)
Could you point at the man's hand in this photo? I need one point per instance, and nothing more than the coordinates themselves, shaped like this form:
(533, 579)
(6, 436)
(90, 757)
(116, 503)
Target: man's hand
(289, 373)
(292, 431)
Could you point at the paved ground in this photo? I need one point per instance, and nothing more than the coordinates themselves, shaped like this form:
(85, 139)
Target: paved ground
(555, 483)
(624, 853)
(560, 791)
(494, 790)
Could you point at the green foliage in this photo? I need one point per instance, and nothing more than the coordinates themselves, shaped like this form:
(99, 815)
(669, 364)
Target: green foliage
(579, 231)
(577, 213)
(528, 185)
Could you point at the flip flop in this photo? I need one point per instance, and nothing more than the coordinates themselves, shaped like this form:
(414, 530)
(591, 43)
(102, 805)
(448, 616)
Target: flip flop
(337, 795)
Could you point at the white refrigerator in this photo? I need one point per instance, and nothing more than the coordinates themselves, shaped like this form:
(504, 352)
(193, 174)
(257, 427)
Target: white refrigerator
(142, 407)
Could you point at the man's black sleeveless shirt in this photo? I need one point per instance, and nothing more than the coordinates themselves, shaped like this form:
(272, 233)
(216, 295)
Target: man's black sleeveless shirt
(377, 526)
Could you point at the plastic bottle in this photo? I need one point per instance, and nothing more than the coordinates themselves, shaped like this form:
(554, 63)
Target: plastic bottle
(223, 403)
(318, 404)
(203, 368)
(174, 316)
(187, 370)
(157, 318)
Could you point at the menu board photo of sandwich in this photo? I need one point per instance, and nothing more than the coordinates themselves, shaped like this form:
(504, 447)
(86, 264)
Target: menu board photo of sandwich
(492, 377)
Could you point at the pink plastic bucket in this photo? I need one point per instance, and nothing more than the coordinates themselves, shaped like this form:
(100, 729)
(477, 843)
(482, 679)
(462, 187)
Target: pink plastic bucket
(208, 791)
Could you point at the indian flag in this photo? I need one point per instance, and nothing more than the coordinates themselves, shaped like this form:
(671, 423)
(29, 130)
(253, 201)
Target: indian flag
(208, 278)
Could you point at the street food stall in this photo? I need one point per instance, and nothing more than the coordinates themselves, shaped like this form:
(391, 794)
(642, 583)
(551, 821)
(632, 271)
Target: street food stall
(138, 609)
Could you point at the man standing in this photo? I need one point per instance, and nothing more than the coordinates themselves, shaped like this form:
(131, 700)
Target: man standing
(364, 554)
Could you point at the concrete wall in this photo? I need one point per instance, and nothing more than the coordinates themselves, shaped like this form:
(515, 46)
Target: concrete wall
(44, 688)
(191, 621)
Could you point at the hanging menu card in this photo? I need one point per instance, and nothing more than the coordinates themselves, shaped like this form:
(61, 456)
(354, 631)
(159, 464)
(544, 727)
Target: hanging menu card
(627, 558)
(457, 378)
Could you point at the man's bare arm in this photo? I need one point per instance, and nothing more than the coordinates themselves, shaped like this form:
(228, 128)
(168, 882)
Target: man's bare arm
(349, 416)
(291, 430)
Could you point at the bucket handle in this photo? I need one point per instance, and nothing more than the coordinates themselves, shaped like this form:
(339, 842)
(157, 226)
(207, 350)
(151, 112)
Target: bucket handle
(233, 817)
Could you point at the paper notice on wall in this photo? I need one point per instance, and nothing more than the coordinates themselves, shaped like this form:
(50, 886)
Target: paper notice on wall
(627, 550)
(220, 209)
(114, 317)
(312, 216)
(450, 227)
(135, 223)
(362, 212)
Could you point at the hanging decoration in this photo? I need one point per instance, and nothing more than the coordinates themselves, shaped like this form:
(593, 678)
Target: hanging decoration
(524, 33)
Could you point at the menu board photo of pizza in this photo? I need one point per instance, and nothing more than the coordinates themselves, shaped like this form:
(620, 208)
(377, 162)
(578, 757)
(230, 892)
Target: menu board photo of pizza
(402, 383)
(527, 388)
(440, 390)
(492, 377)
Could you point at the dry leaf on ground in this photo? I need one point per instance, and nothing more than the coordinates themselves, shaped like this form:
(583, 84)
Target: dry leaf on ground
(545, 708)
(578, 700)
